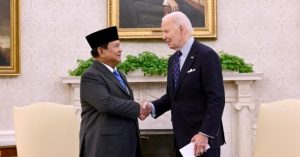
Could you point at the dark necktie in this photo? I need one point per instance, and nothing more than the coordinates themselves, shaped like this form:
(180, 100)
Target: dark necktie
(176, 67)
(119, 78)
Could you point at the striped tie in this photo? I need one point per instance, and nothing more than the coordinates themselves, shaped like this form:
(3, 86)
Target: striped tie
(119, 78)
(176, 67)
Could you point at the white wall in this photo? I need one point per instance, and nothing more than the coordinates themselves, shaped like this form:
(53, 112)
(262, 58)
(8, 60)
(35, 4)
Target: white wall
(264, 32)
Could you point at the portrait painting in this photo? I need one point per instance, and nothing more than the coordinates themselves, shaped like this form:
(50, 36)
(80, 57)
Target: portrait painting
(138, 19)
(9, 38)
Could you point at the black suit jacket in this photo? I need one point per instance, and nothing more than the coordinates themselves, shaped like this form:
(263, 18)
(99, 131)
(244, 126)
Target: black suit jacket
(198, 103)
(109, 125)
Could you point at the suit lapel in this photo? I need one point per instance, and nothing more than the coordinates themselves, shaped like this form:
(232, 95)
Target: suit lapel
(109, 74)
(170, 74)
(189, 61)
(119, 84)
(129, 92)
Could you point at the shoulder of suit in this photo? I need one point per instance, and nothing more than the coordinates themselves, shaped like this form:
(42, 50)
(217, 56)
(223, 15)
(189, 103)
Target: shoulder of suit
(94, 69)
(204, 47)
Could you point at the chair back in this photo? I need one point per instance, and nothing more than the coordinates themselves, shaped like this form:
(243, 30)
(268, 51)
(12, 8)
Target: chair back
(278, 129)
(46, 130)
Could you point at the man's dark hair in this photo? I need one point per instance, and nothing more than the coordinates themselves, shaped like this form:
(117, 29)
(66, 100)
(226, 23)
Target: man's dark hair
(94, 51)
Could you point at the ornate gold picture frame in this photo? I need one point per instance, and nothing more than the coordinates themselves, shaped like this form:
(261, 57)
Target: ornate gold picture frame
(9, 38)
(140, 19)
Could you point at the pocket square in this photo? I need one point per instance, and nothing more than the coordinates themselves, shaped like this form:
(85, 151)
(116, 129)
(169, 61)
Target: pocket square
(191, 70)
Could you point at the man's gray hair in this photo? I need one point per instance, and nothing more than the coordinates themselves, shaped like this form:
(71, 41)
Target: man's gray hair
(180, 18)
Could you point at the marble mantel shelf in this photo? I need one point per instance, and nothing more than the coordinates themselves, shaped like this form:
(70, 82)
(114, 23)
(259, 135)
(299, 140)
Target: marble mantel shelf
(236, 118)
(227, 76)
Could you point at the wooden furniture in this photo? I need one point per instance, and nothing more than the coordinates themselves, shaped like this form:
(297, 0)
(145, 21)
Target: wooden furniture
(8, 151)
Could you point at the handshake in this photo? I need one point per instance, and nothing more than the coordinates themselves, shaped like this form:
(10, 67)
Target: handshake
(146, 109)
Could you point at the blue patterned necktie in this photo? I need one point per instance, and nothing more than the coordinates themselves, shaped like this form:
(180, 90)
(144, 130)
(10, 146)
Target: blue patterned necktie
(119, 78)
(176, 67)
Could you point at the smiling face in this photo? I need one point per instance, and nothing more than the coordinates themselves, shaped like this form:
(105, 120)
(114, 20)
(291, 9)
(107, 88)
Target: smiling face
(172, 33)
(112, 55)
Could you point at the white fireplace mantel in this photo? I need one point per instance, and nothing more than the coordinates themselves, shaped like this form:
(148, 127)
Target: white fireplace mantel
(236, 118)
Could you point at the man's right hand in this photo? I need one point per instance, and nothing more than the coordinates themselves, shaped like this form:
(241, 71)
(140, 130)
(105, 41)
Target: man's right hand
(145, 110)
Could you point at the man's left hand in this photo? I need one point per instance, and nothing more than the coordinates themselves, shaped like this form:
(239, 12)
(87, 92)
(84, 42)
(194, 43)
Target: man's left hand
(201, 142)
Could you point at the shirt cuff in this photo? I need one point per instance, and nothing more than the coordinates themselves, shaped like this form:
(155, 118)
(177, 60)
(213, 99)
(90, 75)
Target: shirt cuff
(153, 112)
(205, 135)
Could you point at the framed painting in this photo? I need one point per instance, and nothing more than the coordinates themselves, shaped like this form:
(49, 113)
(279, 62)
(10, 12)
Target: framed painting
(9, 38)
(140, 19)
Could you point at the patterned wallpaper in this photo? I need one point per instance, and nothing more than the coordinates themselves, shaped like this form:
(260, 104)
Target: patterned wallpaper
(264, 32)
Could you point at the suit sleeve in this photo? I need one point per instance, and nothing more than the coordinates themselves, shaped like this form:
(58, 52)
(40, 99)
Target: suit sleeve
(163, 104)
(94, 91)
(212, 81)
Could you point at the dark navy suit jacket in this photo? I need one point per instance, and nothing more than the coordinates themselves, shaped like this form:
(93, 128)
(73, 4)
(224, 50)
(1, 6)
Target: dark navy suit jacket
(198, 103)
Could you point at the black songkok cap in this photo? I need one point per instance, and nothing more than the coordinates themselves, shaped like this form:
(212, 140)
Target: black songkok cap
(102, 37)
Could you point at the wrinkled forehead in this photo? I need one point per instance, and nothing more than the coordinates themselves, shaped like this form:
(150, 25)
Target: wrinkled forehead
(168, 26)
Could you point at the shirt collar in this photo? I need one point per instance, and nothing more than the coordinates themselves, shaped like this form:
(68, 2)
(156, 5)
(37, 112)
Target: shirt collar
(187, 47)
(108, 67)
